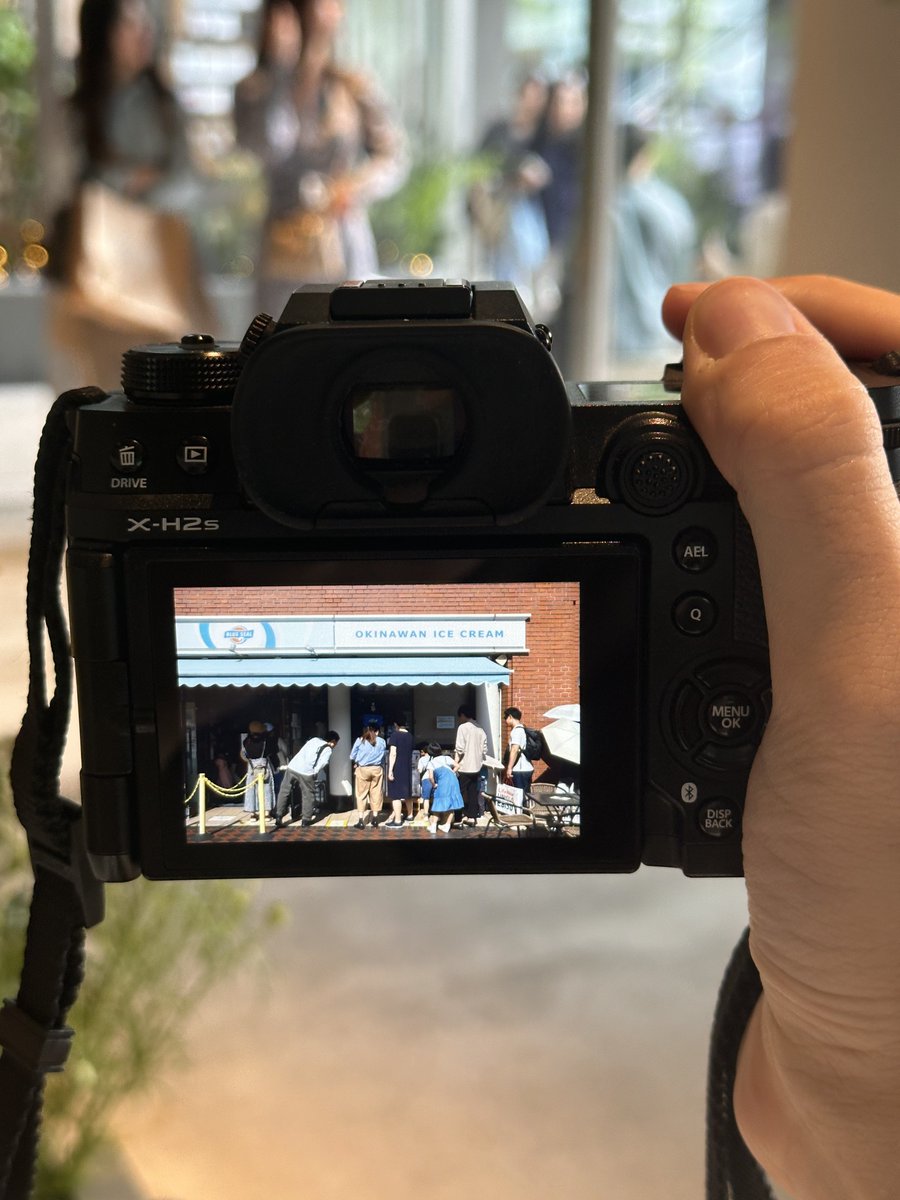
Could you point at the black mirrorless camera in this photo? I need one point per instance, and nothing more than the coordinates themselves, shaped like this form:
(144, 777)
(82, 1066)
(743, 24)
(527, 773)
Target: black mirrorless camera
(388, 502)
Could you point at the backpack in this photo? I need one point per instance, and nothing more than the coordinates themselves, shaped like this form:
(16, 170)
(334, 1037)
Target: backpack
(534, 744)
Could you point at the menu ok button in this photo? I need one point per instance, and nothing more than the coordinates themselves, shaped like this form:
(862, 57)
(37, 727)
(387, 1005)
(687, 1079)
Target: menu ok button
(732, 716)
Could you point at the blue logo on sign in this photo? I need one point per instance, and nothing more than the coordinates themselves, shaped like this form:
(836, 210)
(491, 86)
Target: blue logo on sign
(234, 637)
(238, 635)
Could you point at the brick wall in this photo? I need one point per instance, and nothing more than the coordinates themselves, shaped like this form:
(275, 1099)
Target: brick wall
(546, 676)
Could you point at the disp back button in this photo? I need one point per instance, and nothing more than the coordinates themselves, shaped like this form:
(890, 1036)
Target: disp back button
(720, 818)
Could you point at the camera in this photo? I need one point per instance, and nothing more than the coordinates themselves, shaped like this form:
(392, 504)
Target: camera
(388, 502)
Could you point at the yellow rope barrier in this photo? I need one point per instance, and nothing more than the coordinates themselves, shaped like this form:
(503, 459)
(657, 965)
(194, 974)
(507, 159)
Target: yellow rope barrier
(205, 784)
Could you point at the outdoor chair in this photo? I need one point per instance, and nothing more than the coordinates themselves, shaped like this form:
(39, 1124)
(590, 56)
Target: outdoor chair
(509, 817)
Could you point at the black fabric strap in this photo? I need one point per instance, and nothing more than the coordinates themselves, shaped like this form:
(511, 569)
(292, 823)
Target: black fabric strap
(732, 1173)
(66, 899)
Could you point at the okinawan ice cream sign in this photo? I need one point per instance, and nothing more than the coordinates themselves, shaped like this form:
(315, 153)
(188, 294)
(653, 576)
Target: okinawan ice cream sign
(464, 635)
(250, 636)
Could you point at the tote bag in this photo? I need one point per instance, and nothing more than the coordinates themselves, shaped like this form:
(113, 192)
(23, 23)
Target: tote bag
(134, 269)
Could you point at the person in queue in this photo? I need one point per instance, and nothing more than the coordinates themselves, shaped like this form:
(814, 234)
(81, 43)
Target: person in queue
(817, 1095)
(446, 798)
(399, 772)
(519, 768)
(302, 774)
(368, 757)
(470, 751)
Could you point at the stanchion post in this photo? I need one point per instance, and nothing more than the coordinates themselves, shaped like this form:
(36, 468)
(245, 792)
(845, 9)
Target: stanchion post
(261, 800)
(201, 802)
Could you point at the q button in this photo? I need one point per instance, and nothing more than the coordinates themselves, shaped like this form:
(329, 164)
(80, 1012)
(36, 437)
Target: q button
(695, 614)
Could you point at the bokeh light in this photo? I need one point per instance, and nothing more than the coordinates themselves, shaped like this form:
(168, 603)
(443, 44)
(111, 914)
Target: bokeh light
(35, 256)
(421, 266)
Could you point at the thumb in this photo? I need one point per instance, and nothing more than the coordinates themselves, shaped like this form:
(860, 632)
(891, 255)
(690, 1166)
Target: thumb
(798, 438)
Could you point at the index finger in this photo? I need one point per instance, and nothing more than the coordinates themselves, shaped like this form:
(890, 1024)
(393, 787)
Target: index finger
(862, 322)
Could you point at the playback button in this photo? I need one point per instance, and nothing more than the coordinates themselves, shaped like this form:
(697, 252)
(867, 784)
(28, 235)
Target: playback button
(193, 456)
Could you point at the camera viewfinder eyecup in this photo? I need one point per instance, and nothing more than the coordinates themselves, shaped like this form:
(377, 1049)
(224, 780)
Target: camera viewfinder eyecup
(409, 414)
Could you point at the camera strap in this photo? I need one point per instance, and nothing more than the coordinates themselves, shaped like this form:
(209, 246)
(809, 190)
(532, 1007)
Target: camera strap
(732, 1173)
(67, 899)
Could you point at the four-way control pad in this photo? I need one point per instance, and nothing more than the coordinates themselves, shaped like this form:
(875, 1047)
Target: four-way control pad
(718, 714)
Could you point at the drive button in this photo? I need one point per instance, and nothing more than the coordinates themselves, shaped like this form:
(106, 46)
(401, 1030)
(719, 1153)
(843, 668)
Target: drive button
(127, 457)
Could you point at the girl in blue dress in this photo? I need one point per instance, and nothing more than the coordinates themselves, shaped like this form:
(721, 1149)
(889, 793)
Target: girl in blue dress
(446, 798)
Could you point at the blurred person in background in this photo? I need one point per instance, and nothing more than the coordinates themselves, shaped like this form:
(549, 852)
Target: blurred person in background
(560, 144)
(761, 232)
(328, 147)
(655, 245)
(126, 161)
(506, 207)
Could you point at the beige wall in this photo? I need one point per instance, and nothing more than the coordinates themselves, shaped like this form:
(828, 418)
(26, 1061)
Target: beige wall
(844, 169)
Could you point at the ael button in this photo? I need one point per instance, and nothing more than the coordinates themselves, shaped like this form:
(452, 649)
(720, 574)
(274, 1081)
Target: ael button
(695, 550)
(193, 456)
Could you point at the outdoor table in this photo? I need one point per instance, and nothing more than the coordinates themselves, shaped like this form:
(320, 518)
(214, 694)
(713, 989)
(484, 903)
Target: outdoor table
(558, 808)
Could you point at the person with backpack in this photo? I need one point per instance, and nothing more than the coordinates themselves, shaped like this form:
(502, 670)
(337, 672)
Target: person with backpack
(524, 747)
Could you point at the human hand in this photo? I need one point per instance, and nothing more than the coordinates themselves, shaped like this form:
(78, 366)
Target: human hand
(818, 1090)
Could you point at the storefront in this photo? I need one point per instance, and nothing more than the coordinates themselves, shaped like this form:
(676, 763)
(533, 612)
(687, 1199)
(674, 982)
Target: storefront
(305, 672)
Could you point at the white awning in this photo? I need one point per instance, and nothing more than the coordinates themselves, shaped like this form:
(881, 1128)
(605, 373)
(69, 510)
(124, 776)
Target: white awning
(331, 672)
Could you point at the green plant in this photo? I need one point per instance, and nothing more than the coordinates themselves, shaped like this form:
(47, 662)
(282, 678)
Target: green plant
(150, 963)
(18, 118)
(234, 208)
(705, 191)
(414, 220)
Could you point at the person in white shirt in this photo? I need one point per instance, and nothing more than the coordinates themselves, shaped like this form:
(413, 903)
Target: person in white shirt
(302, 771)
(519, 769)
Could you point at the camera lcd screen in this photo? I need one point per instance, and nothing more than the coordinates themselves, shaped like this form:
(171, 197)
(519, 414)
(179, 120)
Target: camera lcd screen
(405, 424)
(399, 713)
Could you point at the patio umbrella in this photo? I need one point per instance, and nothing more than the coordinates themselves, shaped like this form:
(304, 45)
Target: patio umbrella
(565, 712)
(563, 739)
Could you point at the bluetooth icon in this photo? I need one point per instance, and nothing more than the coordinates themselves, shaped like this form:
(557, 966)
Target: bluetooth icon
(689, 793)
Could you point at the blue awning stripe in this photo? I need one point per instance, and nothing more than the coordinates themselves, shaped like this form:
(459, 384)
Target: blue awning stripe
(331, 672)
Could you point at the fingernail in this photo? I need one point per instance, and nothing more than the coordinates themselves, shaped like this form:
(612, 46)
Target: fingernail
(736, 313)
